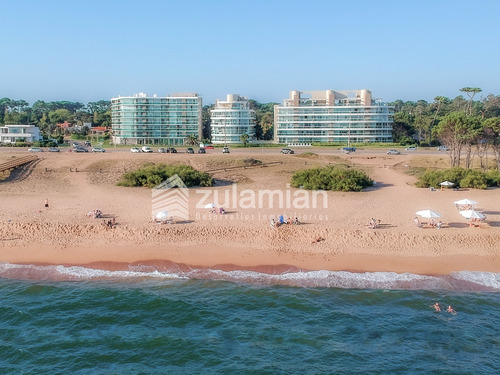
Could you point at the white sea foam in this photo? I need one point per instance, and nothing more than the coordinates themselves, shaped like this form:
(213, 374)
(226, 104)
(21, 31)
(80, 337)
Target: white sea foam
(463, 280)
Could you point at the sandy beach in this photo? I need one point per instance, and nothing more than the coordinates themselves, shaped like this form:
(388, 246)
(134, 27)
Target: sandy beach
(75, 184)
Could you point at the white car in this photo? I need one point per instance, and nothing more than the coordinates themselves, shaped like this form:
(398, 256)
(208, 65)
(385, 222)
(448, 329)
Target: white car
(135, 149)
(442, 148)
(411, 148)
(393, 152)
(98, 149)
(35, 149)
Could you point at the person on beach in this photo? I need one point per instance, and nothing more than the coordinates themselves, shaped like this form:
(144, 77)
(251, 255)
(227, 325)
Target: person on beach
(46, 203)
(417, 222)
(436, 307)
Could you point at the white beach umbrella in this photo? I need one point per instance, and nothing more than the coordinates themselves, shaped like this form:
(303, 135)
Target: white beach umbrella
(471, 214)
(162, 215)
(447, 183)
(464, 202)
(210, 205)
(428, 214)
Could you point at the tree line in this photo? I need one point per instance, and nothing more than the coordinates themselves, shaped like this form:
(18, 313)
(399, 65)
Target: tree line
(46, 115)
(466, 127)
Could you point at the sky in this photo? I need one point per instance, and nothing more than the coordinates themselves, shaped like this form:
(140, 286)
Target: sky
(93, 50)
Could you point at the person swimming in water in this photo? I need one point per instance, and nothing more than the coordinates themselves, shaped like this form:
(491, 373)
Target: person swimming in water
(436, 307)
(451, 310)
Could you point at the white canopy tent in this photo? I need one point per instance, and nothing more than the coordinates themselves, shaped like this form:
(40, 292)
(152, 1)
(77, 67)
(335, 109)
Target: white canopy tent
(428, 214)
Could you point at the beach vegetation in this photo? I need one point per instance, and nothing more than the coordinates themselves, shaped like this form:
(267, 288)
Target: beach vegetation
(308, 155)
(461, 177)
(337, 178)
(152, 175)
(252, 162)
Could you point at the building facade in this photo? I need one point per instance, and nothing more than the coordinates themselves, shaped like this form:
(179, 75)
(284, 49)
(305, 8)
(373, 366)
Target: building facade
(230, 119)
(332, 117)
(19, 133)
(142, 119)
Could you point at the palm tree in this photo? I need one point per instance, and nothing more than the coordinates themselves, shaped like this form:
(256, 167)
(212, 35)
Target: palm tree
(191, 140)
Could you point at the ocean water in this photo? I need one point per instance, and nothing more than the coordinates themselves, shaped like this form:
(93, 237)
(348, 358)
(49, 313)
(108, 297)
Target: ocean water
(73, 320)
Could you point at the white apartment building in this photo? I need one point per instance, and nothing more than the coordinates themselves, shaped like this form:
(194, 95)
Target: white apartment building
(230, 119)
(332, 117)
(143, 119)
(21, 133)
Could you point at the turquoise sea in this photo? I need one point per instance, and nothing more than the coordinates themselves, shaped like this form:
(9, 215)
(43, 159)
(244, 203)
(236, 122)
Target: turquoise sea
(73, 320)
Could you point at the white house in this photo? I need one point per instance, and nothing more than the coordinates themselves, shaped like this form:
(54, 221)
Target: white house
(21, 133)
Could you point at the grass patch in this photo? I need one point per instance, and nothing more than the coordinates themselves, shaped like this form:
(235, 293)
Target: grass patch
(308, 155)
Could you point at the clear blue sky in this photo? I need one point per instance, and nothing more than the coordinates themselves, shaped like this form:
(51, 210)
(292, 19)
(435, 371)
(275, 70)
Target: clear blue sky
(92, 50)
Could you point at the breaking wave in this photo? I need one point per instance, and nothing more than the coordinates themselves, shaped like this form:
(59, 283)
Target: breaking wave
(456, 281)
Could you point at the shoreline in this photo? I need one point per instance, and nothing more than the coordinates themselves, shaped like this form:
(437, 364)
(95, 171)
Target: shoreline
(248, 259)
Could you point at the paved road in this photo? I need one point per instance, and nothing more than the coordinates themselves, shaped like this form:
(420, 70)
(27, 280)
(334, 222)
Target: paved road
(261, 150)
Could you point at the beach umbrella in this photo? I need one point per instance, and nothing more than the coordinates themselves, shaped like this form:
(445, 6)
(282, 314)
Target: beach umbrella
(210, 205)
(162, 215)
(428, 214)
(464, 202)
(471, 214)
(447, 183)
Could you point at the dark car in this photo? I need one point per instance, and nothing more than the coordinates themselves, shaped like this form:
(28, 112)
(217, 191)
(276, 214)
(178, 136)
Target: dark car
(87, 143)
(225, 150)
(172, 150)
(347, 150)
(80, 149)
(202, 151)
(190, 150)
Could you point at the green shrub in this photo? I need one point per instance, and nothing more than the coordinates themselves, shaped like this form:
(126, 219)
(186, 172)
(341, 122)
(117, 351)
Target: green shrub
(493, 177)
(152, 175)
(464, 178)
(331, 178)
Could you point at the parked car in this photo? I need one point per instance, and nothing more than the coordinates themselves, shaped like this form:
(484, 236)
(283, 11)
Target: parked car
(135, 149)
(161, 150)
(190, 150)
(411, 148)
(87, 143)
(209, 147)
(98, 149)
(75, 144)
(347, 150)
(146, 149)
(202, 151)
(80, 149)
(225, 150)
(172, 150)
(54, 149)
(442, 148)
(287, 151)
(393, 152)
(35, 149)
